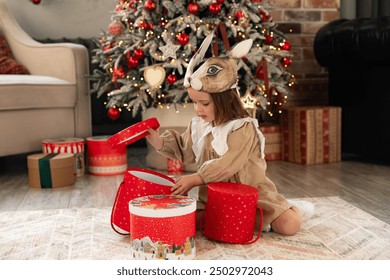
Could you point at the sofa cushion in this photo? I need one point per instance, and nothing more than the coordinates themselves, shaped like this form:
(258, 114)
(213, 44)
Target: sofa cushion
(31, 91)
(9, 66)
(4, 49)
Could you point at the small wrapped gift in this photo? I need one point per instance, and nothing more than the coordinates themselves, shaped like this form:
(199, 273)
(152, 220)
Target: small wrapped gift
(174, 166)
(50, 170)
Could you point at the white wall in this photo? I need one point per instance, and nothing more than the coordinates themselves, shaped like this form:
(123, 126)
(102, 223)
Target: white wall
(62, 18)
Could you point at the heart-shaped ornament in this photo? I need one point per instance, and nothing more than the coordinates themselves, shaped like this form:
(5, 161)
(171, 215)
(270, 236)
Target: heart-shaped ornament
(154, 76)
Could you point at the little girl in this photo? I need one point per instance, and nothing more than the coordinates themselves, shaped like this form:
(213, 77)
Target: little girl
(224, 142)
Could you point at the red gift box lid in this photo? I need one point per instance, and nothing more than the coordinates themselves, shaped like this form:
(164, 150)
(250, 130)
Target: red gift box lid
(65, 141)
(233, 188)
(162, 206)
(133, 133)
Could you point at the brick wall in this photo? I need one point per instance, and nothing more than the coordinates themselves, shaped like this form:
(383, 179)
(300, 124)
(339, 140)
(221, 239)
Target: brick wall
(299, 20)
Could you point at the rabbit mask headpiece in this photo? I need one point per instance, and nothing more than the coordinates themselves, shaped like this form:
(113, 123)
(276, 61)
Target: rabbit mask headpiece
(216, 74)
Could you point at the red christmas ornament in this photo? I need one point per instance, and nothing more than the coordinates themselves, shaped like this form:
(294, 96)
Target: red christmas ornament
(131, 4)
(113, 113)
(183, 38)
(215, 8)
(193, 8)
(106, 48)
(285, 46)
(239, 14)
(150, 5)
(143, 24)
(118, 7)
(118, 73)
(116, 28)
(138, 53)
(286, 61)
(260, 73)
(171, 79)
(268, 39)
(132, 62)
(36, 2)
(264, 16)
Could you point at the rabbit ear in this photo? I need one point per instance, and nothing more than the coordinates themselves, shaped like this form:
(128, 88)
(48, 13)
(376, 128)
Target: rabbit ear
(241, 49)
(197, 58)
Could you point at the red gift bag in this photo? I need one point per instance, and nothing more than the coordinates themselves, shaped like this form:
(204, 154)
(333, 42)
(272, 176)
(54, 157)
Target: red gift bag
(137, 182)
(230, 213)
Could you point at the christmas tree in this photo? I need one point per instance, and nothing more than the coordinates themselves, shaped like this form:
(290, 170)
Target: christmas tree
(143, 55)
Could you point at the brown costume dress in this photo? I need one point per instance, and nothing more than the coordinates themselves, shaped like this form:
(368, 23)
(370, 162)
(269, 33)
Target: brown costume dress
(242, 162)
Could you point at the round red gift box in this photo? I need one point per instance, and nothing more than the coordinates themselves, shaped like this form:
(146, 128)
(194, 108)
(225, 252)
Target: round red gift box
(162, 227)
(67, 145)
(230, 212)
(104, 160)
(133, 133)
(137, 182)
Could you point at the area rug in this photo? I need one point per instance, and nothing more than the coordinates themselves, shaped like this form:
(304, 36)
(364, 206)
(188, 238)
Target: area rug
(338, 230)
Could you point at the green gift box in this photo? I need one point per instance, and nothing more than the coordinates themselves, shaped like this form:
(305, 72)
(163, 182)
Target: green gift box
(51, 170)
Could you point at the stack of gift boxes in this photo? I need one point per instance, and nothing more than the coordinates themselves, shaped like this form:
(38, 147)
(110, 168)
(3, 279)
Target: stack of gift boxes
(60, 163)
(306, 135)
(311, 135)
(273, 141)
(62, 160)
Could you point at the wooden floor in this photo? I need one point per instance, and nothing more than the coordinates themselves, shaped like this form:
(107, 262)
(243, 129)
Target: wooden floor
(363, 184)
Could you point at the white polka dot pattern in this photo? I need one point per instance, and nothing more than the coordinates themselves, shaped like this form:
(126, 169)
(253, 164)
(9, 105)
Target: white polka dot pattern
(231, 212)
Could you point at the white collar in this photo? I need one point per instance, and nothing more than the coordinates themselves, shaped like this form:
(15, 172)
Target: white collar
(200, 129)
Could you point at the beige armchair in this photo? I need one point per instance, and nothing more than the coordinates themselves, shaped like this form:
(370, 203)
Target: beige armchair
(52, 102)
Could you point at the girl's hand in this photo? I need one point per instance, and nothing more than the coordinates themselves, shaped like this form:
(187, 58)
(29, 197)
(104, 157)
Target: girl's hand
(185, 183)
(155, 139)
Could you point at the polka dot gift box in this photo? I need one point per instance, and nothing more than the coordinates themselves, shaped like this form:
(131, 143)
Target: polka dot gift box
(137, 182)
(162, 227)
(230, 213)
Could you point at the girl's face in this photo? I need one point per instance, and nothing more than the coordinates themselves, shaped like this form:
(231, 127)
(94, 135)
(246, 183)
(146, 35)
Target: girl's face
(203, 104)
